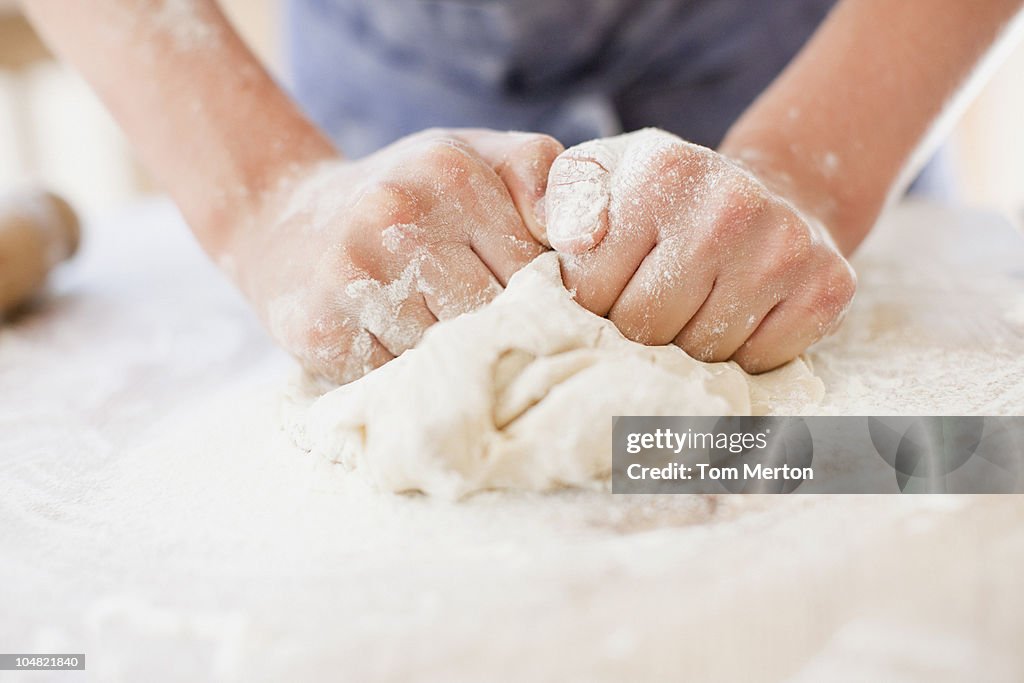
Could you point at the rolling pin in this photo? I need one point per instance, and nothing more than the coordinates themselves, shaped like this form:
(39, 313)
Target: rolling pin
(38, 230)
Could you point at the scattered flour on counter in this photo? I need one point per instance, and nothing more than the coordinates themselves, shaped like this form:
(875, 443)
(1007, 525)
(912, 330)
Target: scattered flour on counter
(520, 394)
(927, 336)
(1015, 314)
(183, 521)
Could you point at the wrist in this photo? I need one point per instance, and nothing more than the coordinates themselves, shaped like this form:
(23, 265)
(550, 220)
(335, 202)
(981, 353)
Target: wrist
(298, 205)
(812, 184)
(256, 188)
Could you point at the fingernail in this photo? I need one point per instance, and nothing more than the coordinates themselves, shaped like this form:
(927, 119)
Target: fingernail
(579, 198)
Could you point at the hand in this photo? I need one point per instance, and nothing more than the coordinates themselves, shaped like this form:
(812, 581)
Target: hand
(351, 261)
(676, 243)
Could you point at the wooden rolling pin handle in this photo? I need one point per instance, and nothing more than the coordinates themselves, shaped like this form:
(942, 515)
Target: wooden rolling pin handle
(38, 230)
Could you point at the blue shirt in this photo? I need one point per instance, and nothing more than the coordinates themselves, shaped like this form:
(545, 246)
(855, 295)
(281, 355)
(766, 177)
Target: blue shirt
(371, 71)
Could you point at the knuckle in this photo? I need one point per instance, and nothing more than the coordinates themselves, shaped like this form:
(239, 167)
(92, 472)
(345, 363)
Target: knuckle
(534, 160)
(831, 297)
(754, 361)
(317, 340)
(385, 202)
(795, 233)
(337, 356)
(743, 209)
(791, 241)
(541, 147)
(446, 156)
(754, 201)
(663, 150)
(323, 341)
(663, 157)
(361, 252)
(538, 157)
(369, 249)
(696, 346)
(841, 286)
(667, 165)
(654, 142)
(748, 357)
(634, 325)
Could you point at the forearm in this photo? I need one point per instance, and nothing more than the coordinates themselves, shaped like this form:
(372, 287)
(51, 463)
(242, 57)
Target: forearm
(199, 109)
(856, 113)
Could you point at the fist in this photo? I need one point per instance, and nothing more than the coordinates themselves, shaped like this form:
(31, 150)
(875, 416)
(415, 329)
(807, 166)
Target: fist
(352, 261)
(676, 243)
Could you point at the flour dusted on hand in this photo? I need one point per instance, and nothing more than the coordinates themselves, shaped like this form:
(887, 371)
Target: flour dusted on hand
(520, 394)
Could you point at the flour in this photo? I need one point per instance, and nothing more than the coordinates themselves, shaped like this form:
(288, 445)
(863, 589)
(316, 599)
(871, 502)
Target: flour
(671, 221)
(1015, 313)
(598, 179)
(310, 195)
(185, 23)
(580, 190)
(393, 236)
(829, 164)
(920, 341)
(164, 523)
(381, 306)
(520, 394)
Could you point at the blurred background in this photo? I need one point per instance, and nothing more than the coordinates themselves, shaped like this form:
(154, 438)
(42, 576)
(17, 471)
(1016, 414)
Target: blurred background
(54, 131)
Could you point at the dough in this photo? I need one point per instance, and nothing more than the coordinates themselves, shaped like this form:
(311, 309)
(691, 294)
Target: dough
(520, 394)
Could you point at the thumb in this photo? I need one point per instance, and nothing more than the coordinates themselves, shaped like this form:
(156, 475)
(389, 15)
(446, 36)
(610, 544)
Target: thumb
(578, 196)
(522, 161)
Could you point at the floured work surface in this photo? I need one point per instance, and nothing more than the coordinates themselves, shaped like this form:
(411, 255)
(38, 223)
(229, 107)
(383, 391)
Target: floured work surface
(154, 515)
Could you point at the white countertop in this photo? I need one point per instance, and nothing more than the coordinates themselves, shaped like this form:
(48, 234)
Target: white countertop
(154, 515)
